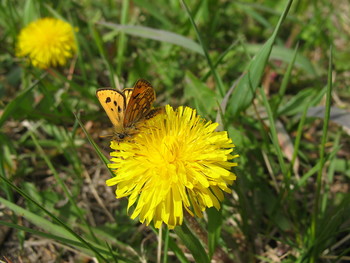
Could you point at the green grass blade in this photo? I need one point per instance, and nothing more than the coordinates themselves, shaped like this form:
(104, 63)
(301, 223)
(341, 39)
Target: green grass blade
(192, 243)
(30, 12)
(61, 229)
(274, 136)
(101, 49)
(51, 236)
(285, 82)
(55, 13)
(297, 103)
(13, 105)
(204, 98)
(97, 149)
(315, 214)
(327, 195)
(122, 38)
(111, 253)
(297, 142)
(244, 92)
(154, 10)
(216, 75)
(219, 59)
(38, 220)
(9, 20)
(255, 15)
(286, 55)
(180, 256)
(166, 245)
(214, 229)
(312, 171)
(156, 34)
(62, 185)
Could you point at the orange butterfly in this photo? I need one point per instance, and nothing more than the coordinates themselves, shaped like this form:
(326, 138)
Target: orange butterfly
(128, 107)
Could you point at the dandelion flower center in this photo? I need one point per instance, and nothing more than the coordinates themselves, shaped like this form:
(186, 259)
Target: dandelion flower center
(176, 161)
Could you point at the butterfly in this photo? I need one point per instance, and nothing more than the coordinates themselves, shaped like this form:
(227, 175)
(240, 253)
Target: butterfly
(125, 109)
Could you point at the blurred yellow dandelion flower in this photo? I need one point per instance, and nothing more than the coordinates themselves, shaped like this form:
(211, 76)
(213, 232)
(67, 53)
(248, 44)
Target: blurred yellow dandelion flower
(176, 161)
(47, 42)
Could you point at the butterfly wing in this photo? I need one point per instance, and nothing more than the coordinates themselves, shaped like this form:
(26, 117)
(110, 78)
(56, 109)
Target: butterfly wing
(114, 103)
(127, 94)
(140, 102)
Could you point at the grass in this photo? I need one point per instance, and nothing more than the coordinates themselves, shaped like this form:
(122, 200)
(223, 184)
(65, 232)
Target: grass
(259, 67)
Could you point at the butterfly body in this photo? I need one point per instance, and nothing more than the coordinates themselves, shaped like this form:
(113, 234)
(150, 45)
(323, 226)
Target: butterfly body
(125, 109)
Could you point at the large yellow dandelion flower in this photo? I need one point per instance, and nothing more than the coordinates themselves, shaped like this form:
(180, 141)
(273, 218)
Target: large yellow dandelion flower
(47, 42)
(176, 161)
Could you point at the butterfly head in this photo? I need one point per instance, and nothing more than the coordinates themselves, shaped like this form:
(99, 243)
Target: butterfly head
(120, 136)
(125, 134)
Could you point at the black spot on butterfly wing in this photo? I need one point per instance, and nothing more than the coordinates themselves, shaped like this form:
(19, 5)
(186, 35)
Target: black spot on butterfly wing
(136, 96)
(114, 103)
(119, 109)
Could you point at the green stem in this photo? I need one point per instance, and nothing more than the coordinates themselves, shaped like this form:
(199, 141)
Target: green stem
(122, 38)
(322, 159)
(211, 64)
